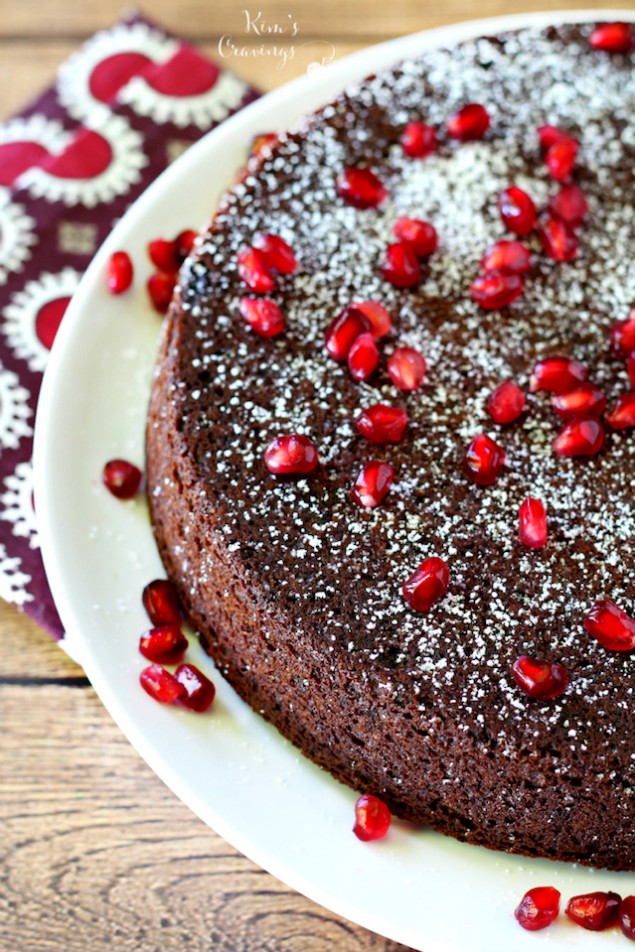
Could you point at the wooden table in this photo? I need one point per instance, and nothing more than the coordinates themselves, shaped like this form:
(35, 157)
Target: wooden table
(94, 851)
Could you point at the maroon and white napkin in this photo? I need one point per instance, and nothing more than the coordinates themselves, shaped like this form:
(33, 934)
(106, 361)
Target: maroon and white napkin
(128, 103)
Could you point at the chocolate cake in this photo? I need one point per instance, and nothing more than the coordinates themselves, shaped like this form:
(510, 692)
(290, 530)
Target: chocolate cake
(294, 588)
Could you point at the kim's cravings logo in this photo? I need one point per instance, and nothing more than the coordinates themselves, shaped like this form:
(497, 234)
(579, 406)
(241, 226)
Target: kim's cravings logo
(276, 40)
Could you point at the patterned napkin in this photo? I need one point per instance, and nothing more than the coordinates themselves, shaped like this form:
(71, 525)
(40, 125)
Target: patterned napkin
(129, 102)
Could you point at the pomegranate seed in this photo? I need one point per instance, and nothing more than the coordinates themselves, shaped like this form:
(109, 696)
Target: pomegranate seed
(595, 911)
(427, 585)
(344, 330)
(165, 644)
(360, 188)
(255, 271)
(623, 337)
(263, 316)
(517, 210)
(557, 240)
(199, 690)
(184, 242)
(540, 680)
(266, 140)
(532, 517)
(581, 437)
(613, 38)
(484, 460)
(376, 315)
(560, 159)
(421, 235)
(510, 257)
(160, 290)
(495, 289)
(586, 400)
(382, 424)
(627, 917)
(557, 375)
(469, 123)
(121, 478)
(363, 357)
(418, 140)
(119, 272)
(611, 626)
(164, 255)
(569, 205)
(506, 403)
(372, 483)
(277, 253)
(538, 908)
(160, 684)
(372, 818)
(621, 416)
(630, 367)
(407, 368)
(291, 455)
(401, 266)
(162, 603)
(550, 135)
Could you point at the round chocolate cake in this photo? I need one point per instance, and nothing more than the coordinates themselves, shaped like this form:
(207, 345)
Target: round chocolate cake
(295, 588)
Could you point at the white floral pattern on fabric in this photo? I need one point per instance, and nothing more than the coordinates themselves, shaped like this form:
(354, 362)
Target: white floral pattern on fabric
(17, 236)
(202, 110)
(15, 411)
(16, 504)
(31, 318)
(13, 580)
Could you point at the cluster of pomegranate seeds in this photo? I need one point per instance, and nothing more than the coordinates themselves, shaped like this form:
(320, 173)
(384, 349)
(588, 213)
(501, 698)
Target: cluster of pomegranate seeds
(420, 235)
(122, 478)
(594, 911)
(587, 400)
(372, 483)
(161, 685)
(506, 402)
(344, 330)
(532, 518)
(484, 460)
(119, 272)
(427, 584)
(161, 602)
(539, 679)
(167, 255)
(407, 368)
(401, 265)
(263, 316)
(164, 644)
(613, 38)
(471, 122)
(496, 289)
(198, 690)
(621, 416)
(363, 357)
(418, 140)
(517, 211)
(160, 289)
(360, 187)
(538, 908)
(510, 257)
(580, 437)
(291, 455)
(611, 626)
(259, 263)
(382, 423)
(372, 818)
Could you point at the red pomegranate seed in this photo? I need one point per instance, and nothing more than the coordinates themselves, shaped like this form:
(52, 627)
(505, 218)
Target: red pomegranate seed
(401, 266)
(595, 911)
(484, 460)
(517, 210)
(291, 455)
(560, 159)
(613, 38)
(372, 818)
(363, 357)
(506, 403)
(611, 626)
(255, 271)
(623, 337)
(418, 140)
(382, 424)
(160, 684)
(421, 235)
(372, 483)
(121, 478)
(469, 123)
(557, 375)
(164, 256)
(495, 289)
(510, 257)
(427, 584)
(627, 917)
(538, 908)
(277, 253)
(344, 330)
(119, 272)
(160, 290)
(580, 438)
(569, 205)
(165, 644)
(161, 602)
(630, 367)
(586, 400)
(263, 316)
(550, 135)
(376, 315)
(199, 690)
(184, 242)
(266, 140)
(540, 680)
(532, 517)
(621, 416)
(360, 188)
(407, 368)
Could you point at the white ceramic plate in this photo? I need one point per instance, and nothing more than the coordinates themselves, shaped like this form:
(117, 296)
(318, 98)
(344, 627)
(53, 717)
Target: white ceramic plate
(231, 768)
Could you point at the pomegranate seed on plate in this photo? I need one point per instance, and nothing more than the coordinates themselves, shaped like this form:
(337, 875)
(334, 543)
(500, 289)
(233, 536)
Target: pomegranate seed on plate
(372, 818)
(382, 424)
(119, 272)
(495, 289)
(418, 140)
(510, 257)
(372, 483)
(199, 690)
(263, 316)
(587, 400)
(121, 478)
(557, 374)
(581, 437)
(557, 239)
(611, 626)
(595, 911)
(160, 289)
(621, 416)
(164, 255)
(627, 917)
(291, 455)
(360, 188)
(421, 235)
(401, 266)
(569, 205)
(630, 367)
(344, 330)
(623, 336)
(613, 37)
(469, 123)
(538, 908)
(407, 368)
(517, 210)
(161, 602)
(560, 159)
(550, 135)
(484, 460)
(184, 242)
(277, 253)
(532, 517)
(506, 403)
(165, 644)
(427, 584)
(540, 680)
(255, 271)
(377, 316)
(363, 357)
(160, 684)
